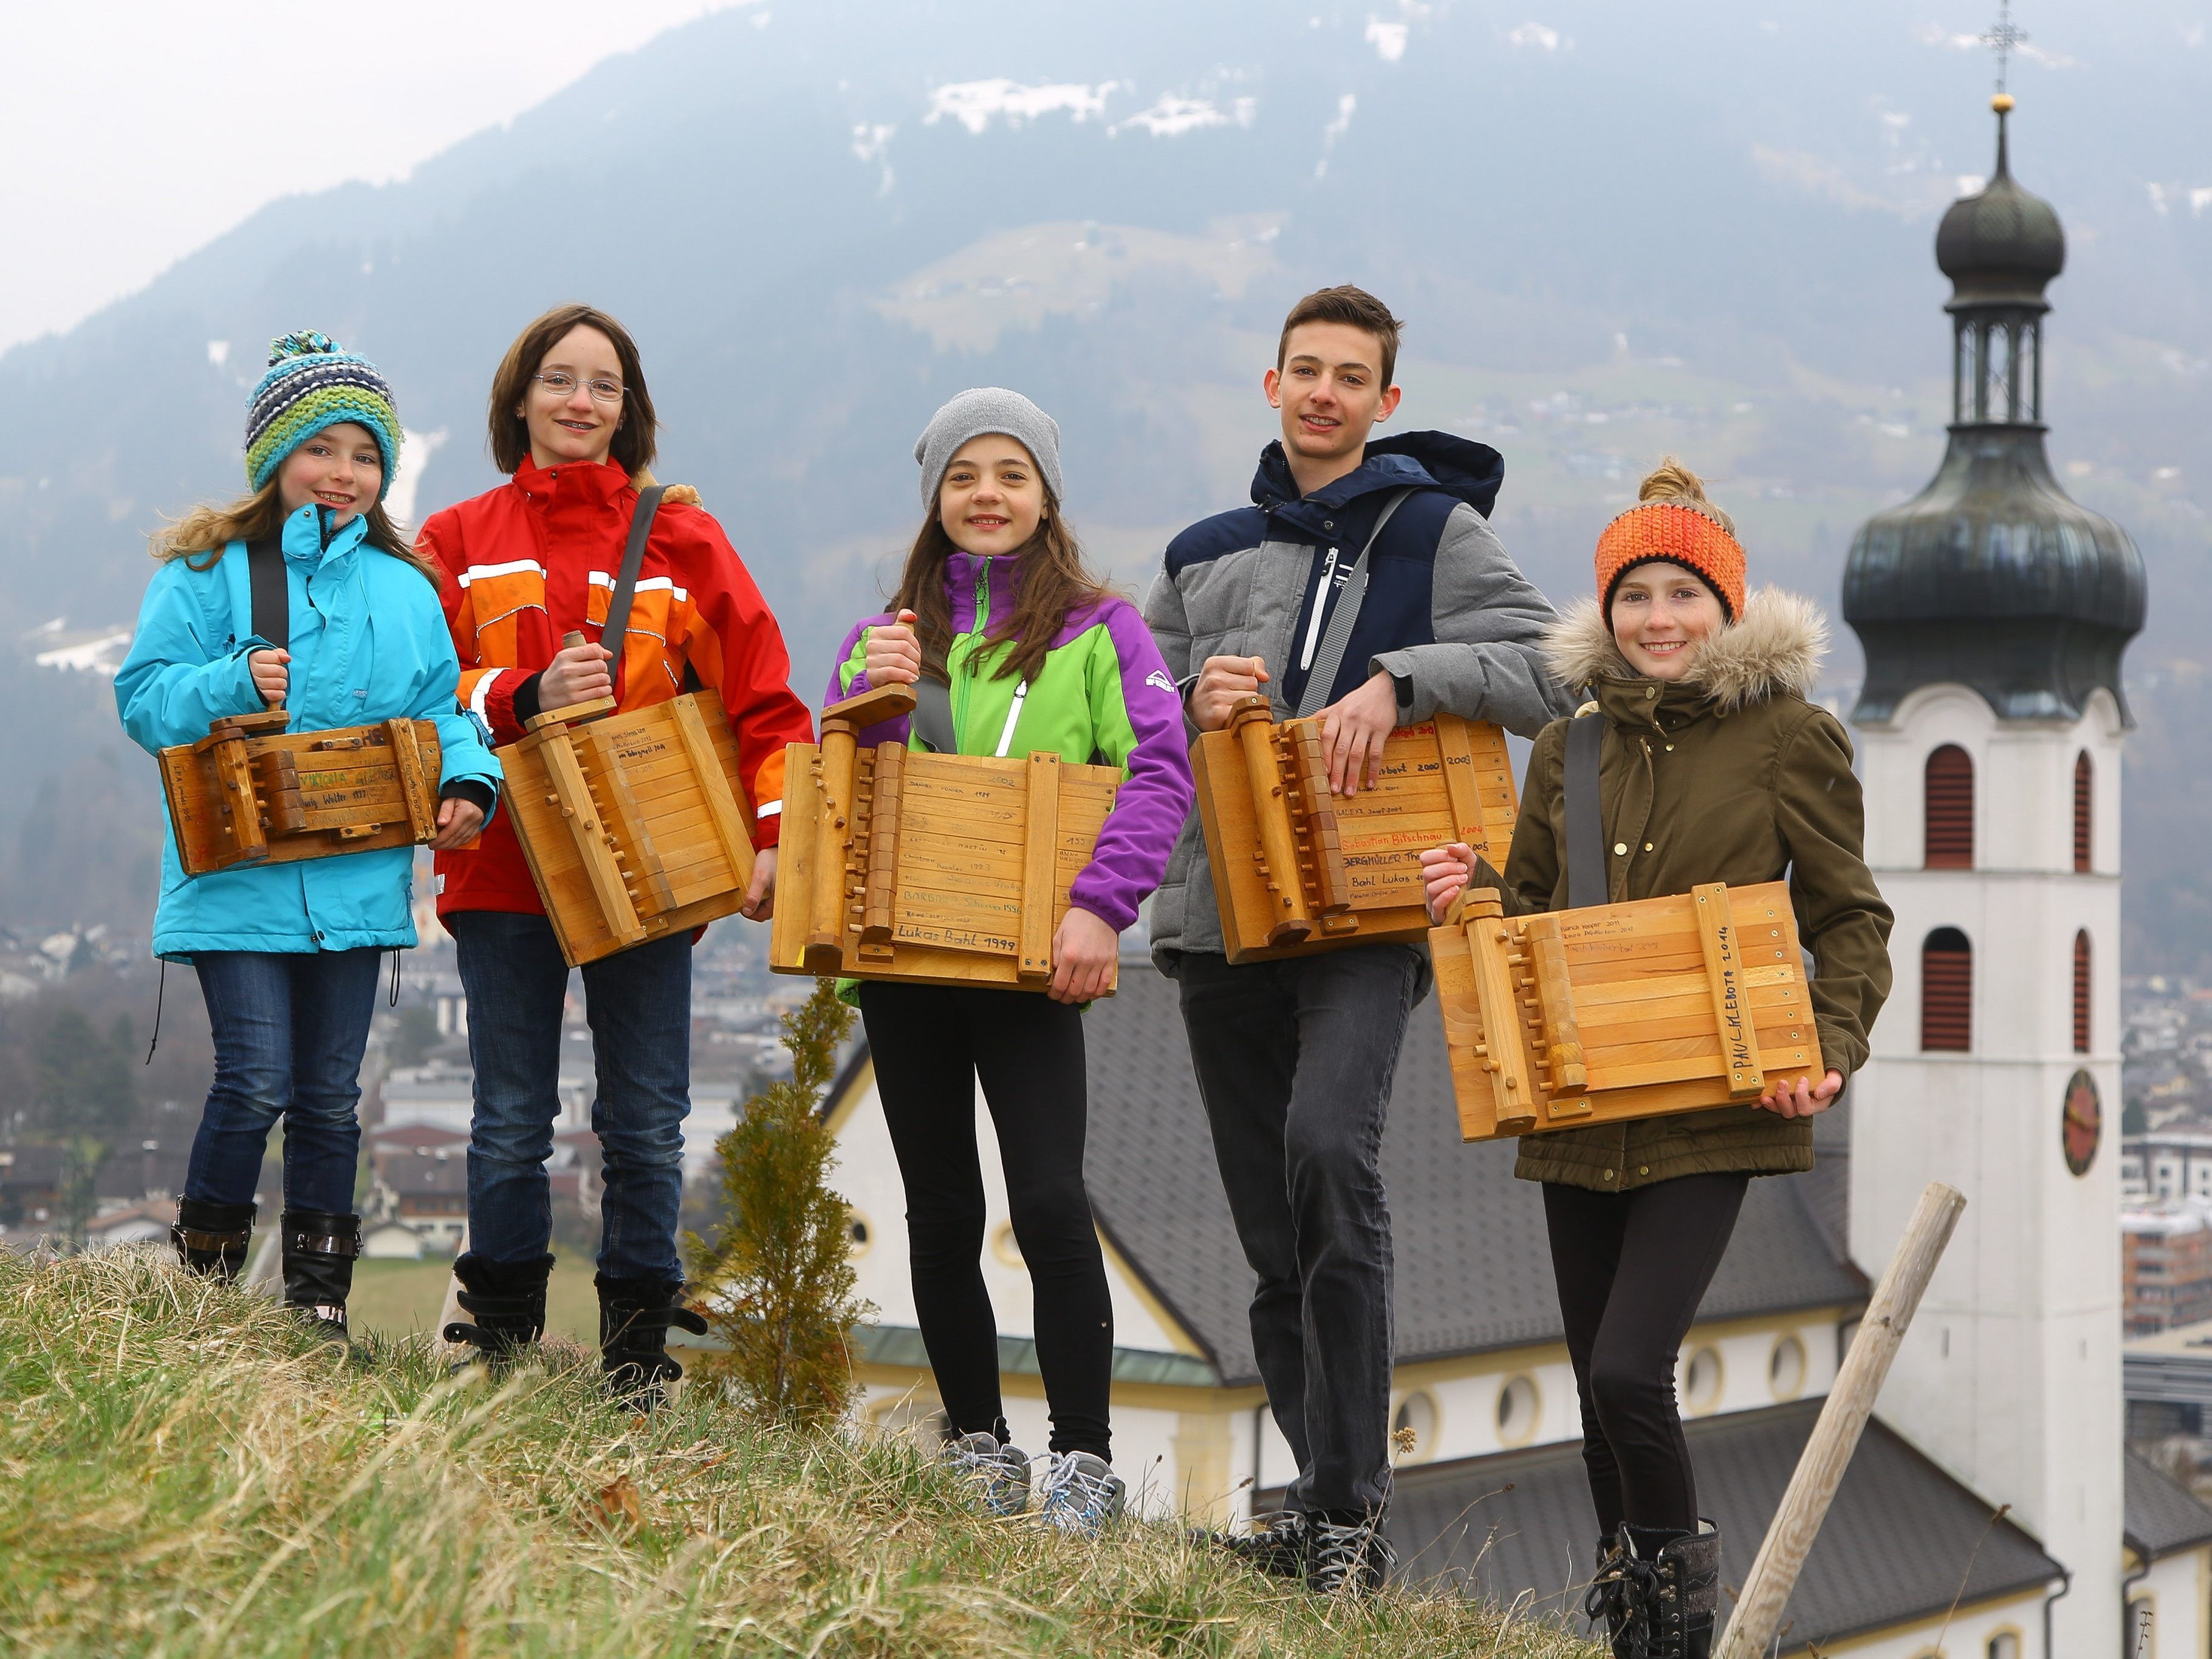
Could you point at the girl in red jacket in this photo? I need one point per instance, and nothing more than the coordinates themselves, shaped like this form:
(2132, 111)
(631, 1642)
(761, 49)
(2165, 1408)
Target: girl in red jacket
(573, 423)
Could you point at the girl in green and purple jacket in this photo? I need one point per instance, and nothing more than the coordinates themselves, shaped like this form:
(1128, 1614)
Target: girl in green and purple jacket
(995, 604)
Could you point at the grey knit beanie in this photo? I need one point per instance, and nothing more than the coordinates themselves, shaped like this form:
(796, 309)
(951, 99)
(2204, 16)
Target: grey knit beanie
(986, 409)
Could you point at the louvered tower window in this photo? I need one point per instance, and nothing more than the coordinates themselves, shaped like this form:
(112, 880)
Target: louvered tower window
(1950, 832)
(2081, 991)
(1946, 993)
(2084, 778)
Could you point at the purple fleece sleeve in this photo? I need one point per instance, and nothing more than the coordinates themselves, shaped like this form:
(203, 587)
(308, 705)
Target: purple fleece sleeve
(849, 679)
(1143, 734)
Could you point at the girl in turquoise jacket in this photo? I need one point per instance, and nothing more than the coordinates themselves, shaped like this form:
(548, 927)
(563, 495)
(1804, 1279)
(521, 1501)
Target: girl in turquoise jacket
(1027, 652)
(286, 954)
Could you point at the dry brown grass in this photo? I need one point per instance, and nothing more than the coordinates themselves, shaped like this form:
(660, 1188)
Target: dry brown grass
(187, 1474)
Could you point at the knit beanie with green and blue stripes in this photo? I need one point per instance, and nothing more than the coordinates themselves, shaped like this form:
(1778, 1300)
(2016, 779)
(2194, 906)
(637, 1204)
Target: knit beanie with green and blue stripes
(312, 384)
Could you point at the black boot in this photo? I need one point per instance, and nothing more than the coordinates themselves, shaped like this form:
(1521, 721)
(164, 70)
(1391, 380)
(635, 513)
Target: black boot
(506, 1301)
(211, 1238)
(319, 1251)
(635, 1315)
(1658, 1590)
(1689, 1588)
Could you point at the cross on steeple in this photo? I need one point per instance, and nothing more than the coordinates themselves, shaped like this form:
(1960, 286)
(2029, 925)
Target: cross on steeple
(2003, 37)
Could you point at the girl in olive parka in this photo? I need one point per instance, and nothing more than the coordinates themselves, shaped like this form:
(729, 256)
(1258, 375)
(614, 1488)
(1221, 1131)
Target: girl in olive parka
(1713, 767)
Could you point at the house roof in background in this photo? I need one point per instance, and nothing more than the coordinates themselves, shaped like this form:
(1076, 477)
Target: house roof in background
(1474, 1274)
(1899, 1541)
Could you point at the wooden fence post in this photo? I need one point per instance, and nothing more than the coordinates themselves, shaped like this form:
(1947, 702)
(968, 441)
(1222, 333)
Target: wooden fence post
(1836, 1435)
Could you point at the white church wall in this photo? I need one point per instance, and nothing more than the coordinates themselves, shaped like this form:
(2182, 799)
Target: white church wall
(2178, 1591)
(2009, 1377)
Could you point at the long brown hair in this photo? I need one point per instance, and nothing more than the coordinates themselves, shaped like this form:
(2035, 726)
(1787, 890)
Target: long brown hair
(636, 439)
(200, 537)
(1054, 582)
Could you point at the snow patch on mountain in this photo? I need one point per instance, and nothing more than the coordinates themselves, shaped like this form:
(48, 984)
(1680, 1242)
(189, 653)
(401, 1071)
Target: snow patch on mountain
(975, 103)
(1173, 116)
(1388, 39)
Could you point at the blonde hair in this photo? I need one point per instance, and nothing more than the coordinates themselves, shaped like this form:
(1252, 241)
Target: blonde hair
(1675, 485)
(202, 534)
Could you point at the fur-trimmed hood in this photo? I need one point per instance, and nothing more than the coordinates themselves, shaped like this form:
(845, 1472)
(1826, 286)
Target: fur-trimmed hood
(1778, 647)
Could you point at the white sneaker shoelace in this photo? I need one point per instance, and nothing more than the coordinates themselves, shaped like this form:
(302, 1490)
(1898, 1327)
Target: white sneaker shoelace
(1082, 1493)
(1001, 1473)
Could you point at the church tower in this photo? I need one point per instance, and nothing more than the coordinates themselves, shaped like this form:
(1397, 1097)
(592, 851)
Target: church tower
(1993, 610)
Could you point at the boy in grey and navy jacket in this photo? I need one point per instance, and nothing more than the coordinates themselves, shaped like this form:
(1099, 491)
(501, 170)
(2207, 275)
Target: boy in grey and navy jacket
(1294, 1057)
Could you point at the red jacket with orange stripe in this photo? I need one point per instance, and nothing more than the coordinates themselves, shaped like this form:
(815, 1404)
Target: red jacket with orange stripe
(527, 562)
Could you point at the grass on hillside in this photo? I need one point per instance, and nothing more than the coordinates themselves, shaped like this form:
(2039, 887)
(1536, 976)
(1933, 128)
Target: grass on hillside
(189, 1474)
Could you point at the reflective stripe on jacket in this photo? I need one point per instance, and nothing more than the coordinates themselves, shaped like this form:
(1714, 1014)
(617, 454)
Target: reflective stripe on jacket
(538, 556)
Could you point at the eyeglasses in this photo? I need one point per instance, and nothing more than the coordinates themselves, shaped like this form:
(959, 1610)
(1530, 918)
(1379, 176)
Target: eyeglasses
(564, 386)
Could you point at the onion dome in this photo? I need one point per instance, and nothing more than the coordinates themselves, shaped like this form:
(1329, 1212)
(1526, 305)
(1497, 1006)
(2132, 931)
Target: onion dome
(2002, 244)
(1993, 577)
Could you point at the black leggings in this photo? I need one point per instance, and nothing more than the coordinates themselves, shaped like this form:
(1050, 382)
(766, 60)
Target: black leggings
(930, 1044)
(1632, 1267)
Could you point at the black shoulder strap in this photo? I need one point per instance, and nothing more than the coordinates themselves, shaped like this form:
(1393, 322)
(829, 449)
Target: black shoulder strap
(272, 594)
(1586, 882)
(932, 716)
(641, 527)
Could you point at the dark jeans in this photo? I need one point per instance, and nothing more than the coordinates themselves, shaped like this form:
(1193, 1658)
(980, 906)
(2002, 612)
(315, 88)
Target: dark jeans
(1294, 1061)
(931, 1043)
(289, 1030)
(638, 1004)
(1632, 1267)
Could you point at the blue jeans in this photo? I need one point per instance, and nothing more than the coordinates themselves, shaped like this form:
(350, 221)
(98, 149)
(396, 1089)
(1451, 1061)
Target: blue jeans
(1294, 1061)
(638, 1006)
(289, 1030)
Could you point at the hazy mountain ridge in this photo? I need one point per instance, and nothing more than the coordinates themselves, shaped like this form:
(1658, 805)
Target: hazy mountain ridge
(1613, 234)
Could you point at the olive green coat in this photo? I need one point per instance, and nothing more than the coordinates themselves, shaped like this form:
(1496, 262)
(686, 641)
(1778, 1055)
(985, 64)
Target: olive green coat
(1731, 776)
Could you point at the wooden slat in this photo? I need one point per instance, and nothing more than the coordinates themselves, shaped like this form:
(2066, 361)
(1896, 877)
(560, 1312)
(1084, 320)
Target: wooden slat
(881, 886)
(241, 814)
(1040, 867)
(794, 862)
(714, 791)
(566, 779)
(1724, 972)
(418, 793)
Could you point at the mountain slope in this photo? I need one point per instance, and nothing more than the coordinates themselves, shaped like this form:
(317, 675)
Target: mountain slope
(1615, 233)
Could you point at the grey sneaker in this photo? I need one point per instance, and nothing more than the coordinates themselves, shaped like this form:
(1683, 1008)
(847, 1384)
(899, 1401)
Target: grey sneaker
(1345, 1559)
(1001, 1473)
(1275, 1546)
(1082, 1493)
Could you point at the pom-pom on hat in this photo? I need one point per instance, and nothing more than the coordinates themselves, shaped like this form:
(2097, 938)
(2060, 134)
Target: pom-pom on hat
(312, 384)
(1673, 521)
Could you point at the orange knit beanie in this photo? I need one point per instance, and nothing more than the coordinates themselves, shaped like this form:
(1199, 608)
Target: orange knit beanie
(1673, 520)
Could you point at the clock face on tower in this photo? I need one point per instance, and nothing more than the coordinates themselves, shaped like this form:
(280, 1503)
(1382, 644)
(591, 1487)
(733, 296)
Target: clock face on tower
(2081, 1123)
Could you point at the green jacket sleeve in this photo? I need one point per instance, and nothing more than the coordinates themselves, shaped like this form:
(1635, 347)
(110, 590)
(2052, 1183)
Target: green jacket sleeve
(1532, 867)
(1841, 916)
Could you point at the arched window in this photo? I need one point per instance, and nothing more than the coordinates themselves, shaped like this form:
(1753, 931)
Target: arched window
(2085, 777)
(1949, 843)
(2081, 991)
(1946, 993)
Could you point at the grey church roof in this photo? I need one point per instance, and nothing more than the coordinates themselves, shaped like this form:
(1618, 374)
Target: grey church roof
(2161, 1515)
(1899, 1541)
(1474, 1274)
